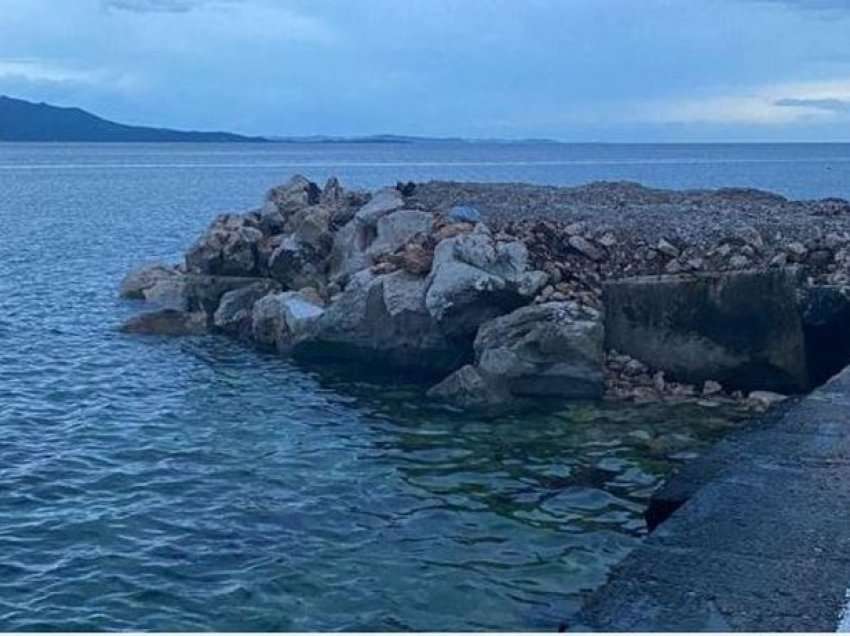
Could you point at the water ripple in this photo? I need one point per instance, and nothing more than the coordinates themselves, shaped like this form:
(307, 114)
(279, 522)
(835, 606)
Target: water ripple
(191, 484)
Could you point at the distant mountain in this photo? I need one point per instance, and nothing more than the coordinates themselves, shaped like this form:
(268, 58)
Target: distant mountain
(400, 139)
(21, 120)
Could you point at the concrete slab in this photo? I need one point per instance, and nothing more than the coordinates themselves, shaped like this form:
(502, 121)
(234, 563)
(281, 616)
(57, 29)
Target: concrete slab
(763, 543)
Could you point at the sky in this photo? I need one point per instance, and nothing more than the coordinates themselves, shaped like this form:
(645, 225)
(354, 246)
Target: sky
(572, 70)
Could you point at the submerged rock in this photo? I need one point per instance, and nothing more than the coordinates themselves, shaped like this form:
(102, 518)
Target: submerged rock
(468, 388)
(159, 284)
(167, 322)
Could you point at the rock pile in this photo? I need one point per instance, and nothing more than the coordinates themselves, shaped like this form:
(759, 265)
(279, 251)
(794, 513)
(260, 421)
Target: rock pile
(438, 280)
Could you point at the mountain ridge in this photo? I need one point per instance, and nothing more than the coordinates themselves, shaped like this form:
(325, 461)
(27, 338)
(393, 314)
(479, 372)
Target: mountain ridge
(22, 120)
(25, 121)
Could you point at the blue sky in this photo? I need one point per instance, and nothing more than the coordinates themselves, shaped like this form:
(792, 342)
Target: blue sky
(576, 70)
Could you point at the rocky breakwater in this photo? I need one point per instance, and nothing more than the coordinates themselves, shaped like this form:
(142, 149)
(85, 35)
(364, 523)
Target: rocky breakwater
(502, 293)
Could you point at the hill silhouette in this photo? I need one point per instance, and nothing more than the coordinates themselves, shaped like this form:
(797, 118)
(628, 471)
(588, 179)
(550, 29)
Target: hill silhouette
(21, 120)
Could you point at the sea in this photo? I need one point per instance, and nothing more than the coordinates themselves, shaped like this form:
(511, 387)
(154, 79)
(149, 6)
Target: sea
(151, 483)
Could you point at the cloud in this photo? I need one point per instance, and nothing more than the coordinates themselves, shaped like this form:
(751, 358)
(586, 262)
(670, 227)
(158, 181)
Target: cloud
(809, 5)
(766, 105)
(153, 6)
(819, 9)
(42, 71)
(828, 104)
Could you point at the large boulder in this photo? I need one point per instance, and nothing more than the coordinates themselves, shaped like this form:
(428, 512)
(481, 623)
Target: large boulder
(296, 264)
(349, 253)
(311, 226)
(469, 388)
(167, 322)
(227, 248)
(551, 350)
(382, 320)
(394, 230)
(233, 315)
(381, 204)
(300, 259)
(280, 320)
(292, 196)
(357, 246)
(548, 350)
(742, 329)
(162, 285)
(475, 278)
(204, 293)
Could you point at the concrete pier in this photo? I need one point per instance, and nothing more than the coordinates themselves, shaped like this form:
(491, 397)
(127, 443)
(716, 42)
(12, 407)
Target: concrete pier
(764, 545)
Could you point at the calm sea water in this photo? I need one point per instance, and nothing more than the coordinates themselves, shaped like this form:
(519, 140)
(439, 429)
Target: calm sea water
(152, 483)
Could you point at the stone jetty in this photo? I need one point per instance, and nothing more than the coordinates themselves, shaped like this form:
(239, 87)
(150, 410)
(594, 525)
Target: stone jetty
(501, 294)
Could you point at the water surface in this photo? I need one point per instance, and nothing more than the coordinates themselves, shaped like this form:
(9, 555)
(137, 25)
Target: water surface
(194, 484)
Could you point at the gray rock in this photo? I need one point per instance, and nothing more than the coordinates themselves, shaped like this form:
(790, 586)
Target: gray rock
(296, 264)
(382, 320)
(272, 220)
(741, 329)
(205, 292)
(464, 214)
(467, 388)
(710, 387)
(607, 240)
(233, 315)
(381, 204)
(311, 226)
(547, 350)
(765, 399)
(295, 194)
(474, 279)
(227, 248)
(796, 249)
(397, 228)
(134, 284)
(586, 248)
(667, 248)
(349, 252)
(167, 322)
(281, 320)
(158, 284)
(739, 261)
(332, 194)
(267, 320)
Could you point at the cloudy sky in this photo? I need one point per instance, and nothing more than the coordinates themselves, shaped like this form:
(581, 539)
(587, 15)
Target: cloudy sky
(576, 70)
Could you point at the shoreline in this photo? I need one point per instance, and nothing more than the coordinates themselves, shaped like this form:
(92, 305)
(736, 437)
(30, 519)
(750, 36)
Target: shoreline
(567, 284)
